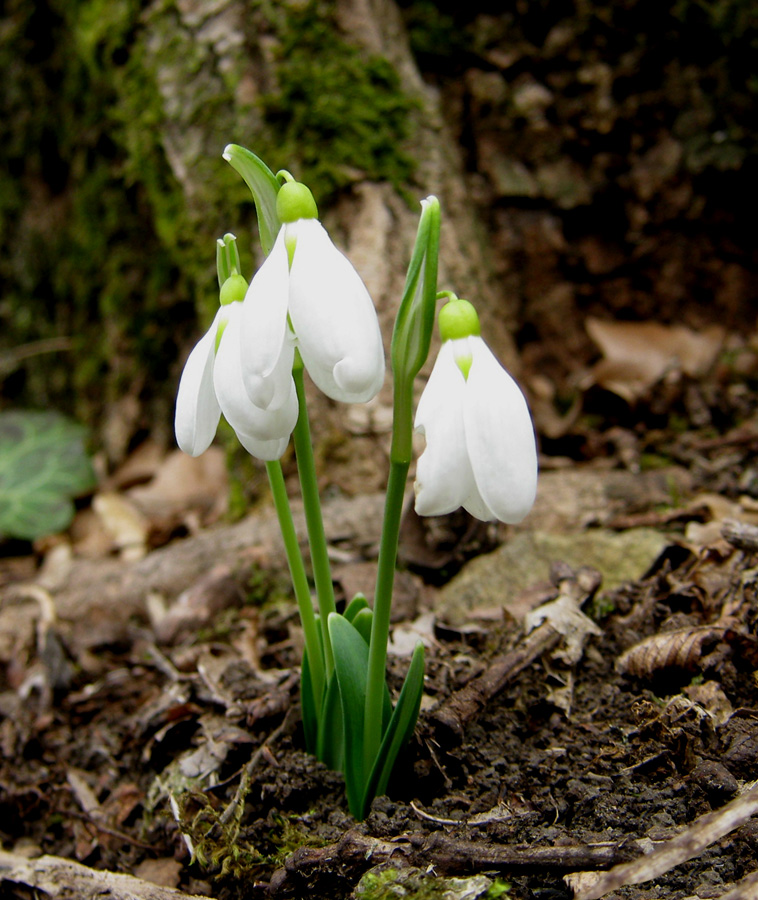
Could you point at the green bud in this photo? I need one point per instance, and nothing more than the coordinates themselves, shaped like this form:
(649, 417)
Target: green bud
(458, 319)
(295, 201)
(233, 289)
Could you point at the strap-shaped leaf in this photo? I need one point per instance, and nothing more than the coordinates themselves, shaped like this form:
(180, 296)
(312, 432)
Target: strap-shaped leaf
(398, 731)
(350, 667)
(264, 188)
(308, 704)
(358, 603)
(330, 748)
(362, 624)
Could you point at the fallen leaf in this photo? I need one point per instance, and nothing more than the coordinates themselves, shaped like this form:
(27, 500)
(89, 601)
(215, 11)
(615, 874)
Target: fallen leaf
(638, 354)
(183, 483)
(681, 648)
(126, 525)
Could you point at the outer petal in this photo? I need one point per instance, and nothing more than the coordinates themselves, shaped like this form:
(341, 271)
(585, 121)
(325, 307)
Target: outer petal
(499, 437)
(255, 425)
(264, 320)
(334, 318)
(444, 477)
(267, 450)
(197, 410)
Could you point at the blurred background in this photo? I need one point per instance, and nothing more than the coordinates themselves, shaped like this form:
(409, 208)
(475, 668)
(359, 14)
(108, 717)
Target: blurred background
(596, 165)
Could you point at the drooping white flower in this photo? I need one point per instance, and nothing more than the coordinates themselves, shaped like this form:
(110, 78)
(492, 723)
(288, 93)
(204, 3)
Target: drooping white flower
(212, 383)
(480, 446)
(308, 289)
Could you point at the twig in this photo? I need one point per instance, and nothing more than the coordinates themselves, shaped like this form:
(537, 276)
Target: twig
(685, 846)
(741, 535)
(356, 852)
(61, 879)
(235, 807)
(464, 705)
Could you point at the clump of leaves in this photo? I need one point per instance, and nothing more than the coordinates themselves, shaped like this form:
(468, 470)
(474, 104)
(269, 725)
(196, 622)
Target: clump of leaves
(43, 466)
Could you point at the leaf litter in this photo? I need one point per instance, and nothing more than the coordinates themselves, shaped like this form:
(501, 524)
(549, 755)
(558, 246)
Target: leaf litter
(149, 718)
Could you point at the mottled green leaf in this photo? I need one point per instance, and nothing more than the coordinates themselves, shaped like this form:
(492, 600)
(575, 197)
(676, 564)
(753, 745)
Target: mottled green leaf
(43, 465)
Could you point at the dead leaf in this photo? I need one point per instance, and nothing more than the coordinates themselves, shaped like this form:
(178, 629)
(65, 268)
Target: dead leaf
(164, 871)
(183, 483)
(126, 525)
(681, 648)
(638, 354)
(567, 619)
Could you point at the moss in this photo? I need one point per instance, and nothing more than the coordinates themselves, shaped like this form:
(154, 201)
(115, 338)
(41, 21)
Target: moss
(411, 884)
(335, 111)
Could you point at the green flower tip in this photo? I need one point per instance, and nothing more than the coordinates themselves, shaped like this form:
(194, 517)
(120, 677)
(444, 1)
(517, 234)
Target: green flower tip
(295, 201)
(234, 288)
(458, 319)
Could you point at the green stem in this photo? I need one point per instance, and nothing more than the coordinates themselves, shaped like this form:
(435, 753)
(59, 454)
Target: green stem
(306, 466)
(380, 627)
(299, 577)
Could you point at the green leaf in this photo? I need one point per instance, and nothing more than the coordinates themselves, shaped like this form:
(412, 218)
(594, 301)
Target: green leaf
(362, 624)
(350, 667)
(264, 188)
(398, 731)
(309, 706)
(358, 603)
(43, 465)
(330, 748)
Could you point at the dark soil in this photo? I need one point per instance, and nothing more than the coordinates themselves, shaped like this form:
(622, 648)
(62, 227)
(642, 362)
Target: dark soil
(564, 764)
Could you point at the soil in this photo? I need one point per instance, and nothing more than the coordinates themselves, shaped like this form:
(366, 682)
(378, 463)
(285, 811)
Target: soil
(601, 728)
(565, 757)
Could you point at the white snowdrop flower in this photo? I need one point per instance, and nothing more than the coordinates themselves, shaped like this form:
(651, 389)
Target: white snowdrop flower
(212, 383)
(308, 289)
(480, 445)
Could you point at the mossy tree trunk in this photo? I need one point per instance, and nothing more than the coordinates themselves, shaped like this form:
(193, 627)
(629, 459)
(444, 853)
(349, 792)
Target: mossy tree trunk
(139, 102)
(588, 158)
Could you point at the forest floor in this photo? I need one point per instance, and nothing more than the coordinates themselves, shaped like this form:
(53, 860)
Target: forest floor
(581, 735)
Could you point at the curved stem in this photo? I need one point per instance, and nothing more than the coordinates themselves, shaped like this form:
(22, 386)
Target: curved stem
(306, 467)
(299, 577)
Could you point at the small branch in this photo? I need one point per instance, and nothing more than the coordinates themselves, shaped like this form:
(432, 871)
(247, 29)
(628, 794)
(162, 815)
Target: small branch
(356, 852)
(61, 879)
(686, 845)
(234, 809)
(465, 705)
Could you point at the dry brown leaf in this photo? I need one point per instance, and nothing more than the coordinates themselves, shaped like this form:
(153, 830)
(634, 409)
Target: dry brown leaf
(183, 483)
(638, 354)
(125, 524)
(681, 648)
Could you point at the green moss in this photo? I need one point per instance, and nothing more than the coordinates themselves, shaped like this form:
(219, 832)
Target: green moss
(411, 884)
(336, 111)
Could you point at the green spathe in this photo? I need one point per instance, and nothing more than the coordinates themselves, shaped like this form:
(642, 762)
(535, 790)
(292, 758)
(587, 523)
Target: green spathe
(458, 319)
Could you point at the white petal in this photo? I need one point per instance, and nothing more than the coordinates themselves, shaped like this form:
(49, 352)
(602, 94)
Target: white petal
(444, 478)
(252, 423)
(500, 437)
(267, 450)
(334, 318)
(197, 410)
(264, 320)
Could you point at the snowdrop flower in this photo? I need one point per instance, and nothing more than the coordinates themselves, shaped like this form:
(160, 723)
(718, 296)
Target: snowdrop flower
(480, 446)
(307, 289)
(212, 382)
